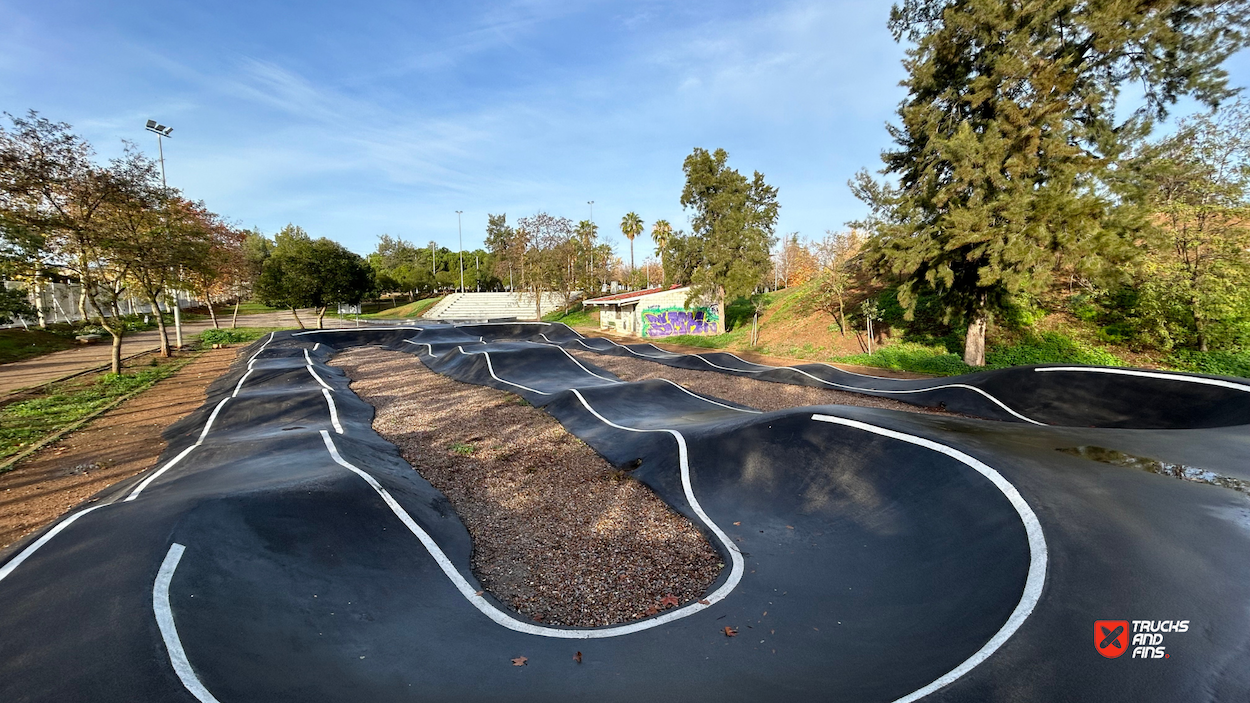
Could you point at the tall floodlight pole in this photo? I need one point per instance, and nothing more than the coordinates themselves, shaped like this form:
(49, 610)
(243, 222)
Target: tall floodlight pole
(161, 131)
(591, 203)
(460, 230)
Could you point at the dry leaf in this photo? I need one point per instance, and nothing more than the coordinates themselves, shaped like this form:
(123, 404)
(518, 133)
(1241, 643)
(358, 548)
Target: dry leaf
(737, 523)
(652, 610)
(519, 661)
(704, 601)
(478, 593)
(730, 632)
(789, 527)
(669, 601)
(578, 657)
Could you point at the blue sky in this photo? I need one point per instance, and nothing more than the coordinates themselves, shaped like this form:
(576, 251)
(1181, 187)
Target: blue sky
(357, 119)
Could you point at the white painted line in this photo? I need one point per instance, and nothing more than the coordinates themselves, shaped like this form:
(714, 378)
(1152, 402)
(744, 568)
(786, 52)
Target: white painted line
(324, 386)
(170, 464)
(262, 348)
(316, 346)
(491, 368)
(239, 386)
(502, 618)
(687, 391)
(169, 632)
(47, 536)
(854, 389)
(1153, 374)
(334, 411)
(348, 329)
(1033, 583)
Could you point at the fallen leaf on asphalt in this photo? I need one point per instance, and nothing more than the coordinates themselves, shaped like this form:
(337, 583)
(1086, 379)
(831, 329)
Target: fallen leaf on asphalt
(478, 593)
(519, 661)
(704, 601)
(669, 601)
(789, 527)
(737, 523)
(730, 632)
(578, 657)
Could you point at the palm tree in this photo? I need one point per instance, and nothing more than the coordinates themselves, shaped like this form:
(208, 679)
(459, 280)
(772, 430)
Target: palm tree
(631, 226)
(660, 232)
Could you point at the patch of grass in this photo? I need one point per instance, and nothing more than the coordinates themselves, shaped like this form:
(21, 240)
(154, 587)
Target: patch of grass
(1049, 348)
(17, 344)
(1216, 363)
(911, 356)
(413, 309)
(576, 316)
(707, 341)
(463, 449)
(237, 335)
(28, 421)
(1046, 348)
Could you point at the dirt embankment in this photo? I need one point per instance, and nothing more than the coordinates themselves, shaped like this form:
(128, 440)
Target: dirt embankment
(557, 532)
(116, 445)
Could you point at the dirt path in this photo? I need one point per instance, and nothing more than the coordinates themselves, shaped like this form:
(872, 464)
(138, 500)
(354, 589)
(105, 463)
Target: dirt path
(761, 395)
(557, 532)
(50, 367)
(116, 445)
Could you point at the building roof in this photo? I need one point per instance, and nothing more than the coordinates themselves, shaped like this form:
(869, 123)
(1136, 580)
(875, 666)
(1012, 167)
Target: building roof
(630, 296)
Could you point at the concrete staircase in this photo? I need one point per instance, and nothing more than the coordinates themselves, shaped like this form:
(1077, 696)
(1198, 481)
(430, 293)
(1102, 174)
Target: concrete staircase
(488, 306)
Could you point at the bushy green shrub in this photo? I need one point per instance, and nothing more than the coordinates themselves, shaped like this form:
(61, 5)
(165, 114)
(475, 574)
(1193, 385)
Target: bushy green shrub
(1049, 348)
(1216, 363)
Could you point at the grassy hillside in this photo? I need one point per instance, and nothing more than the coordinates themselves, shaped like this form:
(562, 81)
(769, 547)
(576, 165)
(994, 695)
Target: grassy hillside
(793, 326)
(414, 309)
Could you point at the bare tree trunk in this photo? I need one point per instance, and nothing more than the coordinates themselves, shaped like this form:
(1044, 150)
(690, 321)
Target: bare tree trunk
(117, 351)
(974, 345)
(234, 321)
(160, 325)
(297, 320)
(538, 304)
(321, 316)
(841, 316)
(209, 299)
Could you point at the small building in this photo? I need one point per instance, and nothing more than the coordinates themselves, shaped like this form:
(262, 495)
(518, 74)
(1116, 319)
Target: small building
(655, 313)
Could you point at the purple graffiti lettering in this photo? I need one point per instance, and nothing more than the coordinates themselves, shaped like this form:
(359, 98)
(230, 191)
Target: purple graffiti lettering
(675, 322)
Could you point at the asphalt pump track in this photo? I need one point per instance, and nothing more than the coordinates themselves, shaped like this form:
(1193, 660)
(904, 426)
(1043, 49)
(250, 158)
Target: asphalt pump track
(281, 550)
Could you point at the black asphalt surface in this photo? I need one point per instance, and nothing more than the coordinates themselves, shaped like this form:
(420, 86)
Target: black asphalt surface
(282, 551)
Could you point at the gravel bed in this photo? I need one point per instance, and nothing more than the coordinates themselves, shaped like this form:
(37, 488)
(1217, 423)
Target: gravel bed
(558, 532)
(761, 395)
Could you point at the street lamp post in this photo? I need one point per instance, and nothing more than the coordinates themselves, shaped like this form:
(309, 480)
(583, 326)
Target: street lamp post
(161, 131)
(460, 230)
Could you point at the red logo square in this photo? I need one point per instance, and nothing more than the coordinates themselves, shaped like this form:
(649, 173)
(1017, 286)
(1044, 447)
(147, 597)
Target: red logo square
(1111, 637)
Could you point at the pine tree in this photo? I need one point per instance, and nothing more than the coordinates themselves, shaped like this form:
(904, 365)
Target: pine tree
(1007, 143)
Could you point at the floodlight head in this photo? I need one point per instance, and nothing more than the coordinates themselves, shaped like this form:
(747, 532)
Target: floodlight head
(153, 126)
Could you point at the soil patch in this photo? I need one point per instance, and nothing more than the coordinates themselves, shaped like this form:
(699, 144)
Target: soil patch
(557, 532)
(761, 395)
(114, 446)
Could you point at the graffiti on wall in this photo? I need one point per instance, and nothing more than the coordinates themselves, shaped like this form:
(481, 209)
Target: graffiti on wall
(666, 322)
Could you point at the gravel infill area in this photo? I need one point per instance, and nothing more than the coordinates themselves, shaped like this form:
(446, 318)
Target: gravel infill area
(761, 395)
(557, 532)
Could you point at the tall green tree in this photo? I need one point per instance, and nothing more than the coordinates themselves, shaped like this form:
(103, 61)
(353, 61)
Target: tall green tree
(1196, 260)
(734, 219)
(661, 231)
(1007, 143)
(303, 272)
(631, 226)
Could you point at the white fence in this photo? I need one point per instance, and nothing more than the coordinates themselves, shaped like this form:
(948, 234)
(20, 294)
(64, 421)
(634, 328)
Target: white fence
(59, 302)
